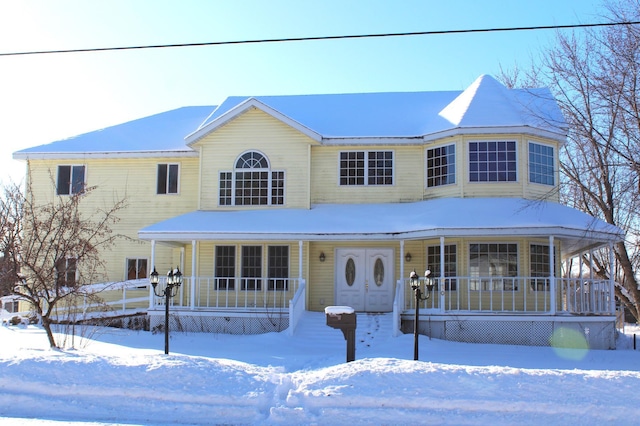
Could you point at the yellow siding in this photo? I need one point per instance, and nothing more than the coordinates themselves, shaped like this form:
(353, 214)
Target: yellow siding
(408, 176)
(135, 181)
(286, 148)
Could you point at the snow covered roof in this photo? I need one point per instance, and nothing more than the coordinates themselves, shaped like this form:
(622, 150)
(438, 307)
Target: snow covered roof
(449, 217)
(163, 132)
(486, 106)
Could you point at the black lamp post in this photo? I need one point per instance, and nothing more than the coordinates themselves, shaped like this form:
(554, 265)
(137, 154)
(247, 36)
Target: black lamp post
(174, 280)
(414, 280)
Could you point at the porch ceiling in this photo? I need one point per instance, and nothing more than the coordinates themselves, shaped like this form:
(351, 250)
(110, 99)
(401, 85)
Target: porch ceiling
(447, 217)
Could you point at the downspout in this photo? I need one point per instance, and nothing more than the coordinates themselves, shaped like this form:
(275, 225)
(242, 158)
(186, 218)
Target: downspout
(441, 287)
(612, 281)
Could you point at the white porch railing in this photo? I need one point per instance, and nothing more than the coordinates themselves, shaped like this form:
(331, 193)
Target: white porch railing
(231, 293)
(515, 295)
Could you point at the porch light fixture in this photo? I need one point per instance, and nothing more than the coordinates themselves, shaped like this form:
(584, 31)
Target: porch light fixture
(174, 281)
(407, 257)
(414, 281)
(322, 257)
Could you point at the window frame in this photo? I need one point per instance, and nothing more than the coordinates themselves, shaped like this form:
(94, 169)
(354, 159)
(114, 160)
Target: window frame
(274, 191)
(276, 282)
(367, 169)
(167, 179)
(479, 282)
(70, 184)
(530, 164)
(63, 278)
(225, 271)
(447, 175)
(434, 264)
(540, 279)
(137, 268)
(497, 161)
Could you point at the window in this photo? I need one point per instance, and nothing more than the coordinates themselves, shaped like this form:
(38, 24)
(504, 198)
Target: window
(278, 271)
(136, 269)
(251, 267)
(225, 267)
(366, 168)
(539, 264)
(487, 261)
(492, 161)
(450, 264)
(66, 272)
(252, 183)
(541, 161)
(441, 166)
(70, 180)
(167, 178)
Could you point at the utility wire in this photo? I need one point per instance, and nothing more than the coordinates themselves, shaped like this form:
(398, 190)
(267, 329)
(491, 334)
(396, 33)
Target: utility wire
(337, 37)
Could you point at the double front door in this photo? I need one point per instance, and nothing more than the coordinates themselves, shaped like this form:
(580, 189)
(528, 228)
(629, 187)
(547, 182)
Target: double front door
(364, 279)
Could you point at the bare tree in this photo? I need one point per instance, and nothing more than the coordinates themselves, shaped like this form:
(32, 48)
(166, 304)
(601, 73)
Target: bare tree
(54, 249)
(595, 76)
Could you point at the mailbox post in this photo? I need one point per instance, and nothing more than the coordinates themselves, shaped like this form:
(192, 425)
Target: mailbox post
(344, 318)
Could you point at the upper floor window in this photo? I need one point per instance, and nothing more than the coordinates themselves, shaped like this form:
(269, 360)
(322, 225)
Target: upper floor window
(70, 180)
(492, 161)
(168, 178)
(541, 160)
(366, 168)
(441, 165)
(252, 183)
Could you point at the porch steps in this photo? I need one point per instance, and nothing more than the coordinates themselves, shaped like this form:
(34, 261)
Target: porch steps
(370, 329)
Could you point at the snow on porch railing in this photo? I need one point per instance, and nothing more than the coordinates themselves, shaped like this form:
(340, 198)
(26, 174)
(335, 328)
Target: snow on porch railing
(514, 295)
(235, 292)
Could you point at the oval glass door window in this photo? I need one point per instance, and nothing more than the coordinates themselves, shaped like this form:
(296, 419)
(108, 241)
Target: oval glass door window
(350, 272)
(378, 272)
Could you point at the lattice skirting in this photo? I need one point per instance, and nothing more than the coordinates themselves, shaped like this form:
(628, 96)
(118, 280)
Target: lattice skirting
(553, 331)
(228, 324)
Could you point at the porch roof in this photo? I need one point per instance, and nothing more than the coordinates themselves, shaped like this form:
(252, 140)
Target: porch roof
(447, 217)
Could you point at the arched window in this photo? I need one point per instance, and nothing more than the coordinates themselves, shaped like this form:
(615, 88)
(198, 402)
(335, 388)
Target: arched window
(252, 182)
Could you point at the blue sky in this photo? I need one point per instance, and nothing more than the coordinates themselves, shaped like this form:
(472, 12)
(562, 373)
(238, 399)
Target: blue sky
(44, 98)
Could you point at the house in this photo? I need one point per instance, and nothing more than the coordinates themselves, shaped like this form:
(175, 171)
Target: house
(273, 205)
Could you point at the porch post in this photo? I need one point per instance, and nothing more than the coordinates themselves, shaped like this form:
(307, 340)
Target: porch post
(612, 281)
(402, 259)
(300, 261)
(153, 263)
(441, 288)
(552, 276)
(193, 274)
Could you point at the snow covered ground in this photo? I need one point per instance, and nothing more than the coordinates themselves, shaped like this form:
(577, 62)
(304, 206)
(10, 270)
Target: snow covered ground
(124, 377)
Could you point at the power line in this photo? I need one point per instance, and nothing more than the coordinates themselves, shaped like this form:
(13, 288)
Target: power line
(337, 37)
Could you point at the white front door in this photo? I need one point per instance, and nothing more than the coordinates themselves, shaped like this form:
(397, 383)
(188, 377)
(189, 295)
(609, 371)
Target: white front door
(364, 279)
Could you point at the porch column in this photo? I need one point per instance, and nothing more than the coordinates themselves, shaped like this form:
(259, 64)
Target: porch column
(442, 277)
(552, 276)
(153, 265)
(402, 260)
(612, 281)
(300, 261)
(193, 274)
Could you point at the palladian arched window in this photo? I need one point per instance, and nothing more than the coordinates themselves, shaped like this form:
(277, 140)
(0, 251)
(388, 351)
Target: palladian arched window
(252, 182)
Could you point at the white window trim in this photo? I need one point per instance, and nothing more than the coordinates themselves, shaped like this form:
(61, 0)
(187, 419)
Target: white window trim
(84, 182)
(366, 169)
(426, 165)
(555, 160)
(468, 162)
(167, 182)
